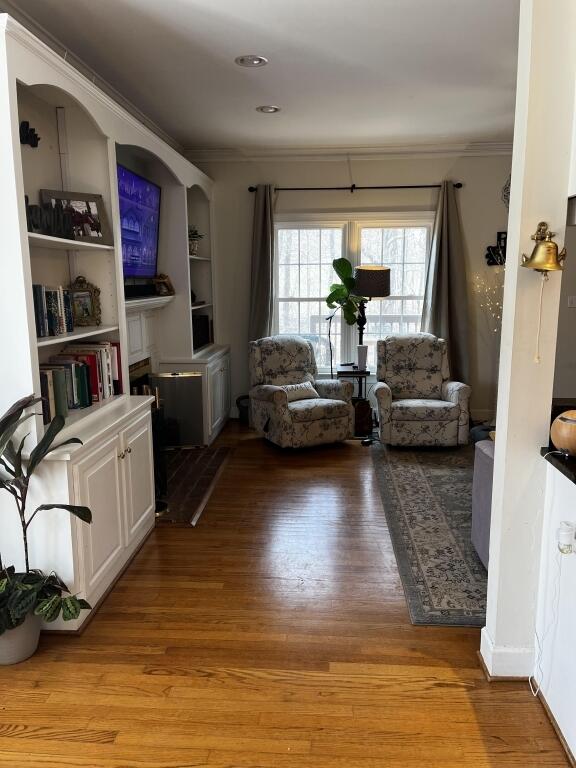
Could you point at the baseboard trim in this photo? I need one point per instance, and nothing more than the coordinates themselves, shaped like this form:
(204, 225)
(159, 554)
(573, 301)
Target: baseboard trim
(505, 662)
(550, 716)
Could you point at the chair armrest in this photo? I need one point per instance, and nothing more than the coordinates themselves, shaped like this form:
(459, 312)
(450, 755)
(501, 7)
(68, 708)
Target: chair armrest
(268, 393)
(456, 392)
(383, 395)
(333, 389)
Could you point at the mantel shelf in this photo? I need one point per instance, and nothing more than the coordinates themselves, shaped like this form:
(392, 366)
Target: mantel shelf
(200, 306)
(147, 303)
(80, 333)
(61, 244)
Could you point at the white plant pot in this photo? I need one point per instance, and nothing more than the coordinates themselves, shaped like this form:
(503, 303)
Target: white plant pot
(362, 356)
(20, 643)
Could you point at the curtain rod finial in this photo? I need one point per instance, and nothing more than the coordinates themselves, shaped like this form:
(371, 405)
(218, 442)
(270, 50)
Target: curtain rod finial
(458, 185)
(251, 189)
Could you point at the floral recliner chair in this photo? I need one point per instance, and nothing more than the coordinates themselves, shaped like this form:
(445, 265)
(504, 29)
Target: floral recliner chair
(283, 367)
(417, 402)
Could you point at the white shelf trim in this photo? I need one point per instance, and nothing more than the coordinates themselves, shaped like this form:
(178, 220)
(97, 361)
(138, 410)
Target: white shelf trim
(62, 244)
(201, 306)
(80, 333)
(153, 302)
(199, 258)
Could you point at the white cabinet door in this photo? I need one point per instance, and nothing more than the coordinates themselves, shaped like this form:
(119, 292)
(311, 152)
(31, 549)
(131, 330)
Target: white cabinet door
(215, 396)
(219, 390)
(225, 389)
(138, 477)
(98, 485)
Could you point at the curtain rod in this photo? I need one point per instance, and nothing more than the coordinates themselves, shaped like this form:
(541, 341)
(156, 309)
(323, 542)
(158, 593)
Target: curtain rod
(353, 187)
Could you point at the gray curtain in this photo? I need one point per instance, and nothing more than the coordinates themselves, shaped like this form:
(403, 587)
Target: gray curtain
(445, 312)
(262, 272)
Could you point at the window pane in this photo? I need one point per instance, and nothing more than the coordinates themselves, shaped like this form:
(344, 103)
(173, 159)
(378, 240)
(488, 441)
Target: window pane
(309, 246)
(305, 274)
(404, 250)
(330, 245)
(288, 246)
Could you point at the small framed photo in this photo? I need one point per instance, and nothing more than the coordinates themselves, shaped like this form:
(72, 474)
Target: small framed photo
(163, 285)
(85, 300)
(88, 215)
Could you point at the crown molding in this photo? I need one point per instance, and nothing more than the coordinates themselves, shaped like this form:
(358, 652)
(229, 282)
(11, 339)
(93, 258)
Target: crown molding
(28, 31)
(333, 154)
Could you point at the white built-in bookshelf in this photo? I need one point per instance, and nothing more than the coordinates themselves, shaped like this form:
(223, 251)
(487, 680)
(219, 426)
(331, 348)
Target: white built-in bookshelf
(83, 135)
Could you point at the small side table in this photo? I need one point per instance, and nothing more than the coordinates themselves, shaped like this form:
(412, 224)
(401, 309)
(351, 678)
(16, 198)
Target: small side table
(362, 409)
(348, 372)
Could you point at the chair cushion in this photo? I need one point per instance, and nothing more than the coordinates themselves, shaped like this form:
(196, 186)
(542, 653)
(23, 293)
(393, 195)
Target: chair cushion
(303, 391)
(424, 410)
(320, 408)
(411, 364)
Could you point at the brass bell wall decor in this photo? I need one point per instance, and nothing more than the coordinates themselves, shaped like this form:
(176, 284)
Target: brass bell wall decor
(544, 257)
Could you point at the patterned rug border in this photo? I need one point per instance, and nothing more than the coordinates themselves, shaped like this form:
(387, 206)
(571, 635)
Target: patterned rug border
(418, 614)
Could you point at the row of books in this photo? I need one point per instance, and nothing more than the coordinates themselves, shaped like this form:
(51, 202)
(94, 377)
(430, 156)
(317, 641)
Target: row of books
(82, 374)
(52, 310)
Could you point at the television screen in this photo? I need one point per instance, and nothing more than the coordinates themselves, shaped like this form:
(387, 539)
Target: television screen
(139, 218)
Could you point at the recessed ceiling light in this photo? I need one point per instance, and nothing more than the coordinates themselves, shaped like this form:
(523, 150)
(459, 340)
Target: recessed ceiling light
(251, 60)
(268, 109)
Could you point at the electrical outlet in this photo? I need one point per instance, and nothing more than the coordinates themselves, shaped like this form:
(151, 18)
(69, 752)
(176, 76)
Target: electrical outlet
(572, 302)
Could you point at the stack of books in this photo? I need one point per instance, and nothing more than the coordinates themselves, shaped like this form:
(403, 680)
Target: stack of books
(52, 310)
(82, 374)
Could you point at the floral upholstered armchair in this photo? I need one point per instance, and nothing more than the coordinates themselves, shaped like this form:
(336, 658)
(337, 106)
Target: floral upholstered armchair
(288, 405)
(417, 402)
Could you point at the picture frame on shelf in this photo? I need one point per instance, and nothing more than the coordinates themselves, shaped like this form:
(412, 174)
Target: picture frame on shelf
(163, 285)
(89, 222)
(85, 300)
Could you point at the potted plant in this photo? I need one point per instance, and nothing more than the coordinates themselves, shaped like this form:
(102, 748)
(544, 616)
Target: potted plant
(194, 238)
(342, 298)
(28, 596)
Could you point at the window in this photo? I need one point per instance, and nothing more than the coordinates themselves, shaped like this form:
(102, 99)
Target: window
(305, 252)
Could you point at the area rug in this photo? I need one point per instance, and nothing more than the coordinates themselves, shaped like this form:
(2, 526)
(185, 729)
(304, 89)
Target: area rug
(192, 475)
(427, 499)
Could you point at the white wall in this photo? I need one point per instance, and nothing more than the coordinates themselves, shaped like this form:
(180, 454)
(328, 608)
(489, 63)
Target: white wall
(483, 214)
(565, 369)
(540, 185)
(556, 623)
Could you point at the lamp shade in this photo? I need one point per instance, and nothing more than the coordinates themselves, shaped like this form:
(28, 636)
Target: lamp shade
(371, 281)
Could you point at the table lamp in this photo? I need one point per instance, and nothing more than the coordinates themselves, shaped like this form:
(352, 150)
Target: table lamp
(371, 282)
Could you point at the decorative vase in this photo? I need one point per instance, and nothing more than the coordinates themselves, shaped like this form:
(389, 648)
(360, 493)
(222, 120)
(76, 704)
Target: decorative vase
(193, 247)
(563, 432)
(19, 644)
(362, 356)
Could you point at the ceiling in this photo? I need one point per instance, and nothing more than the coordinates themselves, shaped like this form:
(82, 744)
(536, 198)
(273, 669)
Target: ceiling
(348, 73)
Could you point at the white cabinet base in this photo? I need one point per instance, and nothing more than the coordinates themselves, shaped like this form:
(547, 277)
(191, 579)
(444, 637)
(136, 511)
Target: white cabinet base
(213, 363)
(113, 474)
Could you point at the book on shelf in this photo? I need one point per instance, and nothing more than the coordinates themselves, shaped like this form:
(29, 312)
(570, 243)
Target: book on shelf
(52, 310)
(80, 375)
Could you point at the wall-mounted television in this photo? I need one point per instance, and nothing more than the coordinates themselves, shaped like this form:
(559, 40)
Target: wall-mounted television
(140, 219)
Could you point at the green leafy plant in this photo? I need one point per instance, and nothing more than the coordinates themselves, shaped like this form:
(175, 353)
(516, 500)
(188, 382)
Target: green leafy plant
(341, 296)
(31, 591)
(194, 234)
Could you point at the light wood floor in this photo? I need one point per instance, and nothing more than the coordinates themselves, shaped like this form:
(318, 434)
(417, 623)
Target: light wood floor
(274, 634)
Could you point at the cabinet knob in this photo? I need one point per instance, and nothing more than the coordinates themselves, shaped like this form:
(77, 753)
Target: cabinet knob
(121, 455)
(128, 450)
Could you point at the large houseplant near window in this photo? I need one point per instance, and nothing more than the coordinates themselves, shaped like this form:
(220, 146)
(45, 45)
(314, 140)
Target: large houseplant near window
(28, 596)
(342, 297)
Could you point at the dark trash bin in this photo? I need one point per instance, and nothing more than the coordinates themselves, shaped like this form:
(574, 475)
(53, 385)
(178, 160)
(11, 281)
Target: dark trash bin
(243, 405)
